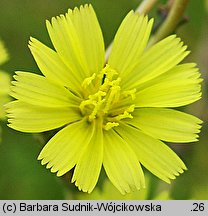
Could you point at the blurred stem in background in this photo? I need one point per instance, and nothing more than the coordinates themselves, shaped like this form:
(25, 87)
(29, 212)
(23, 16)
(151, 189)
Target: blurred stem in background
(176, 10)
(145, 6)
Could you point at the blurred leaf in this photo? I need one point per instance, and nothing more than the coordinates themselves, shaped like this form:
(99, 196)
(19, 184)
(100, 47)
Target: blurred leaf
(22, 176)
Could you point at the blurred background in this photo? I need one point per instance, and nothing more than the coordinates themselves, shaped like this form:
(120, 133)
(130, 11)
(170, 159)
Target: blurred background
(21, 175)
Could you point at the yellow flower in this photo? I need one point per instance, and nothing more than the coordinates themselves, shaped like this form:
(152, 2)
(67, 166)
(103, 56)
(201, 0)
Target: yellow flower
(4, 81)
(111, 114)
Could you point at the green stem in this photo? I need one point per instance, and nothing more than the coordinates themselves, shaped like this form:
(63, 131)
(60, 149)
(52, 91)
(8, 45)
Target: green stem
(172, 20)
(143, 8)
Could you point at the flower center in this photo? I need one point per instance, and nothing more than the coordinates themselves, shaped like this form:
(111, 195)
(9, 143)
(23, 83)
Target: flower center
(104, 98)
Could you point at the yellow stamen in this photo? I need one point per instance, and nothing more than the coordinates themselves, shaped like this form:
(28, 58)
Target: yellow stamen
(130, 93)
(88, 80)
(110, 125)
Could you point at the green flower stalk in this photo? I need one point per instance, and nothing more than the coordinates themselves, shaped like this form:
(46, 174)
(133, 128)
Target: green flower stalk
(114, 115)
